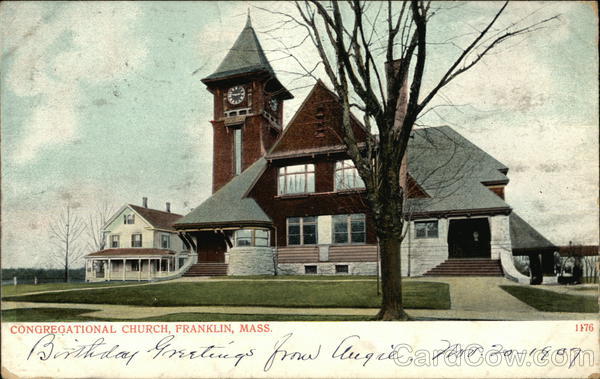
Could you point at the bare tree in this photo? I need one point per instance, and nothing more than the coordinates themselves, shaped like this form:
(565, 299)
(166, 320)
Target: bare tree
(374, 54)
(65, 231)
(96, 221)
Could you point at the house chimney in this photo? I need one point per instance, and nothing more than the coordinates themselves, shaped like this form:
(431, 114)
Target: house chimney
(145, 202)
(168, 207)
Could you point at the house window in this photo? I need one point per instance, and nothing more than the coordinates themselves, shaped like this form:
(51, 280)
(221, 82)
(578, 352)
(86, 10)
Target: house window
(135, 266)
(341, 269)
(302, 230)
(114, 241)
(349, 228)
(252, 237)
(346, 176)
(237, 150)
(426, 229)
(165, 241)
(310, 269)
(136, 240)
(296, 179)
(129, 219)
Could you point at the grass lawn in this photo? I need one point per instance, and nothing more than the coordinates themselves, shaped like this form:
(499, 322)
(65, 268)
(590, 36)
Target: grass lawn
(74, 314)
(11, 290)
(549, 301)
(351, 294)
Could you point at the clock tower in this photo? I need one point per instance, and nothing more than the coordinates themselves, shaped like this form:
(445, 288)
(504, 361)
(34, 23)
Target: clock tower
(248, 107)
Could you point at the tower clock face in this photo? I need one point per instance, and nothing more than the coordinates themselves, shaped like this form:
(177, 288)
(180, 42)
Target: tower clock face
(273, 104)
(235, 95)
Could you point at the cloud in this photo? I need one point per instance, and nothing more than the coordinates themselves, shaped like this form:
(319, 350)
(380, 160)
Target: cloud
(56, 51)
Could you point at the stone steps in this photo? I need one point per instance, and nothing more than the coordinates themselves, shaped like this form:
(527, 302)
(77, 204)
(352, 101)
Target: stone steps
(467, 267)
(207, 269)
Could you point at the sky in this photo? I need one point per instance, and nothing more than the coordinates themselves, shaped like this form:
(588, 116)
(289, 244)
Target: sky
(101, 102)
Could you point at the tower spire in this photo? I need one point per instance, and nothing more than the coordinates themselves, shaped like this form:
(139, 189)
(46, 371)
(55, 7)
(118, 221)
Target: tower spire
(248, 20)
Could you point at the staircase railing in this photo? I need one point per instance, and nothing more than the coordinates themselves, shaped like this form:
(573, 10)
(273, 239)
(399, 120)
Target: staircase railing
(178, 273)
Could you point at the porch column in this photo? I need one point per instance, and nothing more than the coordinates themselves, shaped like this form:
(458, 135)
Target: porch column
(148, 268)
(139, 269)
(109, 268)
(123, 269)
(168, 264)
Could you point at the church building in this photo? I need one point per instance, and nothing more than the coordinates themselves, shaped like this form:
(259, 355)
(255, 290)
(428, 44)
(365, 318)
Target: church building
(290, 201)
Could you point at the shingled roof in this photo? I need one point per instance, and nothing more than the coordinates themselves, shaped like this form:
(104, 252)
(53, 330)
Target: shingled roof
(245, 56)
(158, 219)
(525, 238)
(230, 206)
(451, 170)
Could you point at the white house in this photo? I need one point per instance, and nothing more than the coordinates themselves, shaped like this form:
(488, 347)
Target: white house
(140, 244)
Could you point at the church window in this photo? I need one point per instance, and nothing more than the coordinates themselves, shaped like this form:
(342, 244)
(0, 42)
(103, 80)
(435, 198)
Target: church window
(426, 229)
(346, 176)
(296, 179)
(302, 230)
(349, 229)
(252, 237)
(237, 150)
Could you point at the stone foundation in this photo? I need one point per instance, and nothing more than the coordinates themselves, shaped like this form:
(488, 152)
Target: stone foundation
(328, 268)
(250, 261)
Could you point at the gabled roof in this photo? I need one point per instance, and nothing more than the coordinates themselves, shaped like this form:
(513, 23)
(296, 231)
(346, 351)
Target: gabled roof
(230, 205)
(315, 127)
(155, 218)
(158, 219)
(451, 170)
(524, 236)
(245, 56)
(130, 252)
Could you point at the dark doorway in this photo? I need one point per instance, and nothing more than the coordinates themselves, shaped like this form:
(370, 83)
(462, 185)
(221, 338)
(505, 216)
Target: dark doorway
(469, 238)
(211, 247)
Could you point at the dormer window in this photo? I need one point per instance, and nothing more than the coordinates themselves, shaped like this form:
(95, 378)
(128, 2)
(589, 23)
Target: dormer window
(129, 219)
(346, 176)
(296, 179)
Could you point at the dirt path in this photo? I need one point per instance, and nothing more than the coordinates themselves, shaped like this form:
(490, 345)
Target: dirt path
(482, 294)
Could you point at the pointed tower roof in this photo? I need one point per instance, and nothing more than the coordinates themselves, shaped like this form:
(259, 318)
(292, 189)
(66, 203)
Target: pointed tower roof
(245, 56)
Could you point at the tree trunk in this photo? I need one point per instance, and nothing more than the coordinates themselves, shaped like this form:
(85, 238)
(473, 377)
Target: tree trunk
(391, 301)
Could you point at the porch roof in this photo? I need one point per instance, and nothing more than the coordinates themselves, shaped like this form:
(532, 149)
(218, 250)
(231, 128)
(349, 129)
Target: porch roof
(524, 237)
(131, 252)
(230, 205)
